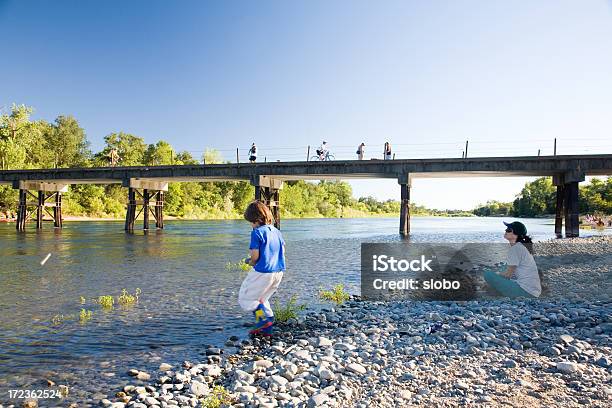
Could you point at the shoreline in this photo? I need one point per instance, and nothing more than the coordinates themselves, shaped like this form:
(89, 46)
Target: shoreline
(541, 352)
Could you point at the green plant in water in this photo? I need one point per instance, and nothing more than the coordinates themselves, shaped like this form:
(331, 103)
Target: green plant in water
(337, 295)
(85, 316)
(128, 299)
(57, 319)
(289, 311)
(218, 397)
(82, 300)
(106, 302)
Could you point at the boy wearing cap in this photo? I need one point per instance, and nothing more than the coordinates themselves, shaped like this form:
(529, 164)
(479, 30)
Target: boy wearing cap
(521, 279)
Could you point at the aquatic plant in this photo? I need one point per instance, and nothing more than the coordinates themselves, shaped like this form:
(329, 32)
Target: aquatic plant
(58, 319)
(217, 398)
(128, 299)
(238, 266)
(82, 300)
(289, 311)
(337, 295)
(85, 316)
(106, 302)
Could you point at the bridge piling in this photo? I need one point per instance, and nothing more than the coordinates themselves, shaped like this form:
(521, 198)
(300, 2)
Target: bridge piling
(145, 209)
(267, 190)
(159, 210)
(21, 211)
(405, 183)
(151, 190)
(41, 204)
(570, 204)
(559, 213)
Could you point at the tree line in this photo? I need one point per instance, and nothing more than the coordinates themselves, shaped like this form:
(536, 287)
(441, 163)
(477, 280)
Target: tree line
(539, 197)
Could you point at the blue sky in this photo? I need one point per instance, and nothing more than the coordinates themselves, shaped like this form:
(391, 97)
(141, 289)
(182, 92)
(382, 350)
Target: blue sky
(424, 75)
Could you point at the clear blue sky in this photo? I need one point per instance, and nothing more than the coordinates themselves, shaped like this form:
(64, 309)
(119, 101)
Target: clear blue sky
(425, 75)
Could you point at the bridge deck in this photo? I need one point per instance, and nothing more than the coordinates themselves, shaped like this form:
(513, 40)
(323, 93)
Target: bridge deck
(588, 165)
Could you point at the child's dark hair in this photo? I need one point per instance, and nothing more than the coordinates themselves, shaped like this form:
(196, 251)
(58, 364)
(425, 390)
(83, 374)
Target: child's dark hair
(526, 240)
(258, 212)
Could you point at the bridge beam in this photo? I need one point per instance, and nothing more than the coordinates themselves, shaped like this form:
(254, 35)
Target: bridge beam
(570, 204)
(404, 181)
(267, 190)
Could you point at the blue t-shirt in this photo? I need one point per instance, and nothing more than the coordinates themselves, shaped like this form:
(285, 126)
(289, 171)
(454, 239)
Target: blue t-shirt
(270, 243)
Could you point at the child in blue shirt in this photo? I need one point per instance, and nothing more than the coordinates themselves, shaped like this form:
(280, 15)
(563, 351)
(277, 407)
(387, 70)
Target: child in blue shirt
(267, 251)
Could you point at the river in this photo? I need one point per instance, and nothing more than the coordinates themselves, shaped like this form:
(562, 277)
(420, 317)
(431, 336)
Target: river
(188, 297)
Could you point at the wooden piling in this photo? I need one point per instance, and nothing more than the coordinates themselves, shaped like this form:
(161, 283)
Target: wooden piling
(145, 209)
(159, 210)
(308, 153)
(572, 222)
(559, 211)
(40, 209)
(57, 211)
(130, 214)
(404, 228)
(21, 211)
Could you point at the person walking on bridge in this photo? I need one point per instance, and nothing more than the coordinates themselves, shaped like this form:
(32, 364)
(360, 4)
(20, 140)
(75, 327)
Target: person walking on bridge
(360, 151)
(387, 151)
(253, 153)
(267, 257)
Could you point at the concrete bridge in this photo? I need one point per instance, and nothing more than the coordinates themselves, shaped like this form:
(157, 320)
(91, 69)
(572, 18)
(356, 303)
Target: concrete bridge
(146, 185)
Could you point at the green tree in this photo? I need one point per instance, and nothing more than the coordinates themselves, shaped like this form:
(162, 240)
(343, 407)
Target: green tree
(536, 198)
(159, 154)
(131, 149)
(212, 156)
(67, 143)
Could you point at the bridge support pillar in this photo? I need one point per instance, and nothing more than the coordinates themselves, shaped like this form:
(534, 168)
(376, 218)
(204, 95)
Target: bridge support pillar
(151, 189)
(45, 192)
(559, 213)
(570, 204)
(405, 184)
(267, 190)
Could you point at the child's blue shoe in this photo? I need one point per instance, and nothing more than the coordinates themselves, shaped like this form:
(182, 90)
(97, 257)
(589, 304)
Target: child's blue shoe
(267, 331)
(262, 321)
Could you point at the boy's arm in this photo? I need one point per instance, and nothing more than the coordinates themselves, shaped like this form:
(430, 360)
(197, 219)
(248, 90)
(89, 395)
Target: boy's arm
(509, 272)
(254, 256)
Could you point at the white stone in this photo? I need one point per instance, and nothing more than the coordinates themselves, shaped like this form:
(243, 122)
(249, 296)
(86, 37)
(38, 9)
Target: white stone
(198, 389)
(567, 367)
(356, 368)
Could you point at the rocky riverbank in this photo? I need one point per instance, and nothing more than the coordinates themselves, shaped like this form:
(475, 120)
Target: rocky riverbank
(554, 351)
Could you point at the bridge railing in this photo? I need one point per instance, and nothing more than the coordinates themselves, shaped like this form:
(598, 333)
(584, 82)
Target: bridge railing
(419, 150)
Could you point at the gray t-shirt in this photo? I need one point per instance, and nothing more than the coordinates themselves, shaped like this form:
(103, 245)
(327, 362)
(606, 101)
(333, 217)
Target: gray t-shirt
(526, 272)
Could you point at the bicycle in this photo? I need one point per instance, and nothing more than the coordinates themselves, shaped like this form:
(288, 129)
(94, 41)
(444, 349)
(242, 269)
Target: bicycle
(327, 157)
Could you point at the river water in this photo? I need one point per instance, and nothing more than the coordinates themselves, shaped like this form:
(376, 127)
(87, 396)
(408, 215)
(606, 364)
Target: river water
(188, 297)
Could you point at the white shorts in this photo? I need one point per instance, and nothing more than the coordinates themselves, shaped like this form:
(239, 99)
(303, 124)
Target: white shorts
(257, 288)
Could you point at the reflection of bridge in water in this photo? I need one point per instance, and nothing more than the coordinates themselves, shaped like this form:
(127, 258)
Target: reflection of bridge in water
(146, 185)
